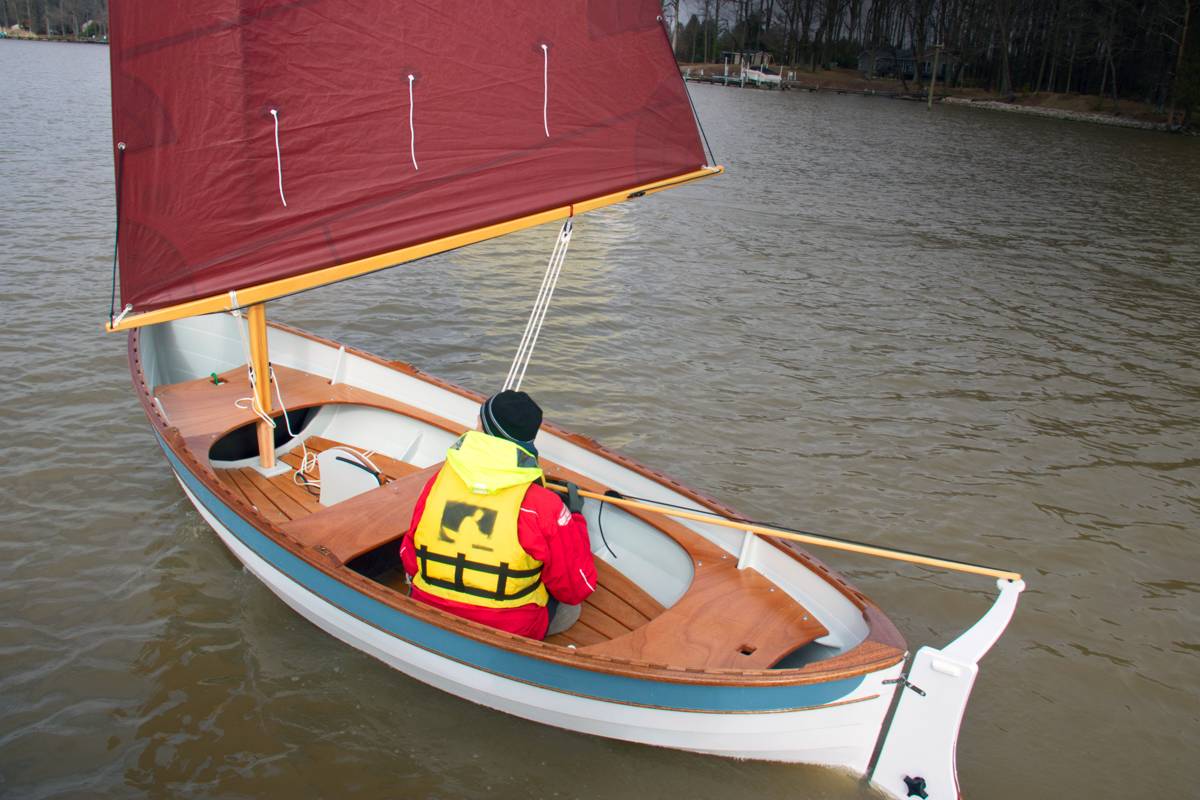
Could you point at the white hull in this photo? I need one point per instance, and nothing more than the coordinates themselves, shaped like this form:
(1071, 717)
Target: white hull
(840, 735)
(835, 721)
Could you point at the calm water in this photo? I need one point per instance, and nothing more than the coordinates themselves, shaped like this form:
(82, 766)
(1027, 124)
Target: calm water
(956, 332)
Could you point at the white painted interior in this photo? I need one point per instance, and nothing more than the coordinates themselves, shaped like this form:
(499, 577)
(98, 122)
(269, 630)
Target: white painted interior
(195, 347)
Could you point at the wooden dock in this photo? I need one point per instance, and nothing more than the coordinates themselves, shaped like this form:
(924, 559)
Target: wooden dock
(793, 84)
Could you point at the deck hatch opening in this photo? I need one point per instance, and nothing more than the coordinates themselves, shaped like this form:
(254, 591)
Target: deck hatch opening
(242, 443)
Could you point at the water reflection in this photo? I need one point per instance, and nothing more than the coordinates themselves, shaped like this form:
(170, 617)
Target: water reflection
(951, 331)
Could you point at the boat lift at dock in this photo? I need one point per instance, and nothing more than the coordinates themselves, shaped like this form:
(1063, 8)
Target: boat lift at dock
(750, 78)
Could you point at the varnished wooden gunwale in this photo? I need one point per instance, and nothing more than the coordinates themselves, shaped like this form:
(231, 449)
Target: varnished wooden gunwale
(709, 628)
(882, 630)
(882, 648)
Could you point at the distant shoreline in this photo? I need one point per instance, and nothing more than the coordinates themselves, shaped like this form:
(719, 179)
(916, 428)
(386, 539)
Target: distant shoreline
(1097, 118)
(58, 39)
(1072, 107)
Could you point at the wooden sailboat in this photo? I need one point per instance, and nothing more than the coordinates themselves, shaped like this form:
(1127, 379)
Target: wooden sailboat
(249, 176)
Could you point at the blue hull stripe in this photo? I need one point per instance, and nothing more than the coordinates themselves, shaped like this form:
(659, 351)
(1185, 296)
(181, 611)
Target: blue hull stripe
(559, 677)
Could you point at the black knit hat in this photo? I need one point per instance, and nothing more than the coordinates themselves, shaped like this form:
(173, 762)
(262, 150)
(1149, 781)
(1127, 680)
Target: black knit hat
(511, 415)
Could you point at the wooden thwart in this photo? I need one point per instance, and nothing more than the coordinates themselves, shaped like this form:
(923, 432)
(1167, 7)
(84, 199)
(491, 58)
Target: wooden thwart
(362, 523)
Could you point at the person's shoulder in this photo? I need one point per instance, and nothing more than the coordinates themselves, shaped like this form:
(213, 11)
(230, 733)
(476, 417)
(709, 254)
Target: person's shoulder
(539, 498)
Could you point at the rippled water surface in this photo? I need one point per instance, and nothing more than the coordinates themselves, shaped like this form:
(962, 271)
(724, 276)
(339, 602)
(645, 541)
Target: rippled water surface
(953, 331)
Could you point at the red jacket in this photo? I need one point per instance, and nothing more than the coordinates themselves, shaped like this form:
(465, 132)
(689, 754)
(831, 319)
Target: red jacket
(549, 533)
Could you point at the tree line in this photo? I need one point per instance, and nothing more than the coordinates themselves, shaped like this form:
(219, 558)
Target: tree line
(80, 19)
(1145, 49)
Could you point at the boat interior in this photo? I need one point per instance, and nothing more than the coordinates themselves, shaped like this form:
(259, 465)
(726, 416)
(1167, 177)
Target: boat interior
(353, 458)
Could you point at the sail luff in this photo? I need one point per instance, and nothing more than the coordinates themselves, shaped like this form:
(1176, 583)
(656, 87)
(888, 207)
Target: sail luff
(273, 290)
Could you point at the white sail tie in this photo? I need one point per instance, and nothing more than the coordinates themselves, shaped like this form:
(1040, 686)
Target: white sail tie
(412, 134)
(516, 372)
(546, 89)
(278, 157)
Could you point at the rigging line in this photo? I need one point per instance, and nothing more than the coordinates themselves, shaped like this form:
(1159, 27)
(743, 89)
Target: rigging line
(537, 304)
(278, 156)
(600, 526)
(546, 89)
(112, 303)
(523, 347)
(711, 155)
(516, 372)
(537, 330)
(412, 132)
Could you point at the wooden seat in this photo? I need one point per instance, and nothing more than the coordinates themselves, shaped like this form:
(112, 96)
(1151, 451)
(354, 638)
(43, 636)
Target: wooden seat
(362, 523)
(617, 607)
(391, 468)
(280, 499)
(727, 619)
(203, 411)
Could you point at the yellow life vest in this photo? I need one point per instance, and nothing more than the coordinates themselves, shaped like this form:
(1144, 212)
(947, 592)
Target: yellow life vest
(466, 541)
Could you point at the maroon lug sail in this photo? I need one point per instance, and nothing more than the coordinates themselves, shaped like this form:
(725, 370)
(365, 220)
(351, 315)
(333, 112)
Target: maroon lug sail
(516, 107)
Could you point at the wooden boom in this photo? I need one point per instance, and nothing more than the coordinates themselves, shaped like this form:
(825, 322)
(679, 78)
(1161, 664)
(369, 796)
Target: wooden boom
(806, 538)
(281, 287)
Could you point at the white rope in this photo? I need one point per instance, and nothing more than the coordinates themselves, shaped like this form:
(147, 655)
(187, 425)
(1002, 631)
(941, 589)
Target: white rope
(121, 316)
(412, 134)
(533, 327)
(308, 459)
(546, 89)
(523, 349)
(278, 157)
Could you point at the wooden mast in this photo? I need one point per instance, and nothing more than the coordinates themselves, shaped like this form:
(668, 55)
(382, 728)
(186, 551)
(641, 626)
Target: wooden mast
(256, 318)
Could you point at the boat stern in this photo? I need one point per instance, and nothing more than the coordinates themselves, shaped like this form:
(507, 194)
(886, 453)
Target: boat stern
(918, 753)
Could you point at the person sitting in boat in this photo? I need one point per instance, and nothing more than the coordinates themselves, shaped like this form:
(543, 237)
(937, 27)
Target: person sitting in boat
(489, 542)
